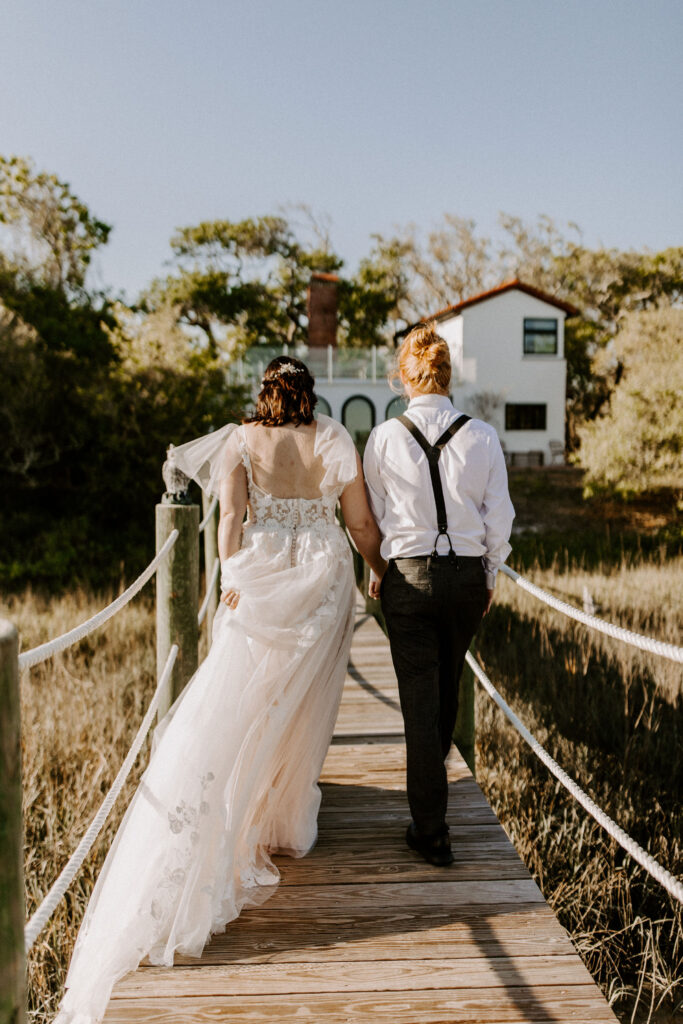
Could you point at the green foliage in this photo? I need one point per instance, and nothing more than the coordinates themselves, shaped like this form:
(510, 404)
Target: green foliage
(81, 507)
(52, 233)
(637, 443)
(370, 302)
(241, 282)
(91, 394)
(55, 354)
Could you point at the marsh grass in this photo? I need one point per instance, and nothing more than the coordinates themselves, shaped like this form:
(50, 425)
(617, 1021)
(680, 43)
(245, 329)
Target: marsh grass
(80, 711)
(612, 717)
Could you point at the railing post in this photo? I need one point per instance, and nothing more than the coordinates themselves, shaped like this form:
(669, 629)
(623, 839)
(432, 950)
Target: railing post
(12, 915)
(464, 734)
(210, 556)
(177, 596)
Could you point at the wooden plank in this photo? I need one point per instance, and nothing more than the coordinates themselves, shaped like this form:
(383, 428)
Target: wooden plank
(367, 738)
(366, 870)
(368, 846)
(540, 1005)
(385, 757)
(357, 976)
(356, 725)
(472, 840)
(456, 815)
(359, 775)
(324, 936)
(464, 790)
(391, 895)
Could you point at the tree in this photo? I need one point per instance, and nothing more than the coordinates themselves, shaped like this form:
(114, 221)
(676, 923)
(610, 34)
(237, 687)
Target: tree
(241, 283)
(49, 233)
(449, 264)
(636, 443)
(53, 340)
(90, 396)
(372, 304)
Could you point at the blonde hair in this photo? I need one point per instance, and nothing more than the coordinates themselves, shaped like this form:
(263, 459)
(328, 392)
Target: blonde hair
(424, 360)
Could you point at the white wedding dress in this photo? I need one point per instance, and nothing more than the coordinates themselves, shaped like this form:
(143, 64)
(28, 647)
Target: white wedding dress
(234, 771)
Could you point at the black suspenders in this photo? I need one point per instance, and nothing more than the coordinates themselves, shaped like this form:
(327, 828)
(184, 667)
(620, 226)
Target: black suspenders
(433, 451)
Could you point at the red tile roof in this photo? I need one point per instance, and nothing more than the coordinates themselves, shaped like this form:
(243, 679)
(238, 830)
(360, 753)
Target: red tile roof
(492, 292)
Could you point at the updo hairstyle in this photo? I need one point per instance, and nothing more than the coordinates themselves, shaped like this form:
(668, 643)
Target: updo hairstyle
(286, 394)
(424, 360)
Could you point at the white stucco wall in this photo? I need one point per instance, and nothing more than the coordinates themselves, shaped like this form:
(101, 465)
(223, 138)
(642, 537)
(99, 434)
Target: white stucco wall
(492, 360)
(337, 392)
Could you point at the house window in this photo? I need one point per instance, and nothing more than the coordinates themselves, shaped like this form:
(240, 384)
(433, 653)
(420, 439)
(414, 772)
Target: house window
(540, 337)
(396, 407)
(525, 417)
(358, 416)
(322, 406)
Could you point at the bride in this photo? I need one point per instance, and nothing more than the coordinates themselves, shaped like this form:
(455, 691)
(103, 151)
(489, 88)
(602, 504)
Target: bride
(234, 771)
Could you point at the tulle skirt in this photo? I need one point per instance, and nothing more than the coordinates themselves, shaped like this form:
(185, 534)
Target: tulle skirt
(234, 769)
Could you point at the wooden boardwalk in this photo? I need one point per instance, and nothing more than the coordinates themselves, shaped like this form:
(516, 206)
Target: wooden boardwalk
(362, 930)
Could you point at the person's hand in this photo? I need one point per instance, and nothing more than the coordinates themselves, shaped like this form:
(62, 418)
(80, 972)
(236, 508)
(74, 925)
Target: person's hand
(489, 601)
(231, 598)
(375, 583)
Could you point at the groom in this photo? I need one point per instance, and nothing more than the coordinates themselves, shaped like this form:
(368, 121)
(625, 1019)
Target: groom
(437, 484)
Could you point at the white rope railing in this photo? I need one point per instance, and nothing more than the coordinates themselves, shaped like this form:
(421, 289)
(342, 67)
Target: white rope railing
(209, 590)
(46, 909)
(209, 512)
(60, 643)
(645, 643)
(653, 867)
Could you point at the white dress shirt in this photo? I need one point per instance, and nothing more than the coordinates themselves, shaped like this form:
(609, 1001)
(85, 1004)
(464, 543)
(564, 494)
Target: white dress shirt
(473, 476)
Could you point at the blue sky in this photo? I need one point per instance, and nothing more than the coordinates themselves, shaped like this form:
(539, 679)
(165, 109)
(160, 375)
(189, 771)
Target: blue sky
(375, 112)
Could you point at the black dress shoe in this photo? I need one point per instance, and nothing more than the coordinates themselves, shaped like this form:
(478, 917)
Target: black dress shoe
(435, 849)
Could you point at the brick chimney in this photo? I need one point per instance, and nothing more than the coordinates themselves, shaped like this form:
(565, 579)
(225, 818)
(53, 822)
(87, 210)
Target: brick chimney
(322, 310)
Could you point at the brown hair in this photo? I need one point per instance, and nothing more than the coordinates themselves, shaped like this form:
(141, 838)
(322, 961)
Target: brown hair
(286, 394)
(424, 360)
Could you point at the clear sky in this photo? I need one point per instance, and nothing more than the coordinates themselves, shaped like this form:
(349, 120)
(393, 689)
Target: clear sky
(162, 113)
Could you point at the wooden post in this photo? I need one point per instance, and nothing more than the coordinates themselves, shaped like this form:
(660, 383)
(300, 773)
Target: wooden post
(178, 596)
(12, 914)
(464, 732)
(210, 555)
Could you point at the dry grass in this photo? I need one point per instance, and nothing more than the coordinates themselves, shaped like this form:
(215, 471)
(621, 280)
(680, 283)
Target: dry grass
(611, 715)
(80, 711)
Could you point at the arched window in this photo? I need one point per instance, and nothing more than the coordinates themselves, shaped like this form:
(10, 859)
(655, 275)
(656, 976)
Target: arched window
(322, 406)
(396, 407)
(358, 416)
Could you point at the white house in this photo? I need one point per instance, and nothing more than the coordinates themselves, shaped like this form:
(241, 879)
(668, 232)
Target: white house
(507, 353)
(509, 368)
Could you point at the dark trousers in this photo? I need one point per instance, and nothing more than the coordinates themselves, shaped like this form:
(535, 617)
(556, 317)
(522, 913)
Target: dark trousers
(432, 612)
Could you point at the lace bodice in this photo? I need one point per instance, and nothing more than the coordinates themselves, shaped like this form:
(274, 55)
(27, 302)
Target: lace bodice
(269, 512)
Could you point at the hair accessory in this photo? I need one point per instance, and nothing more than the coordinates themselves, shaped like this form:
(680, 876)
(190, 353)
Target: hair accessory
(287, 368)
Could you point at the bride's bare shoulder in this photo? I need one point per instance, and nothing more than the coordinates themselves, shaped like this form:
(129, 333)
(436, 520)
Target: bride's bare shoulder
(281, 432)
